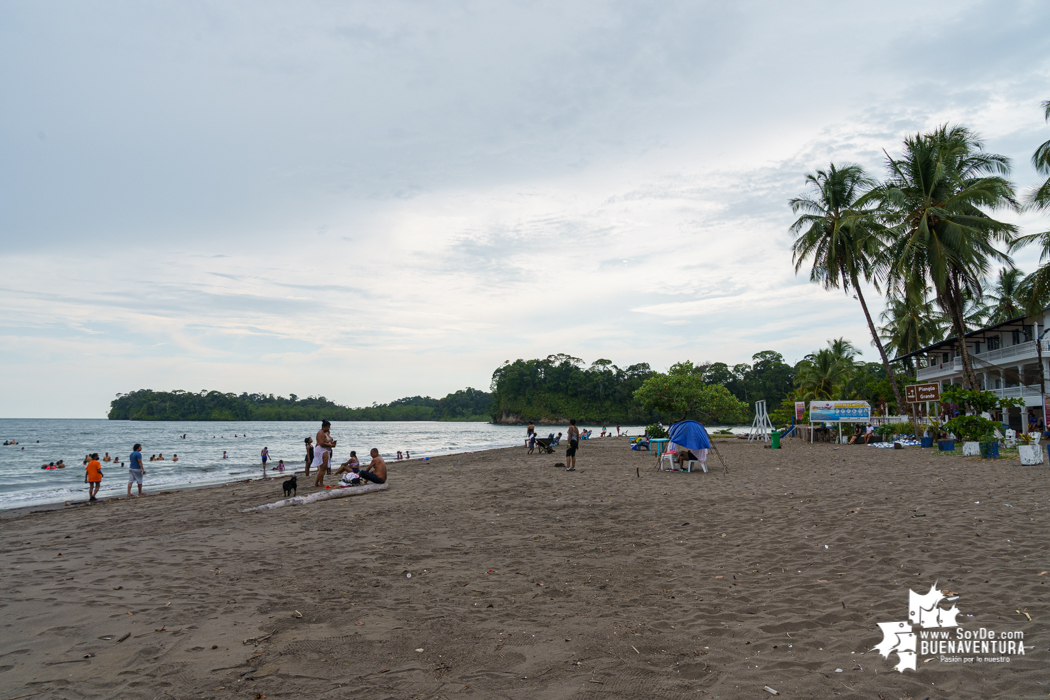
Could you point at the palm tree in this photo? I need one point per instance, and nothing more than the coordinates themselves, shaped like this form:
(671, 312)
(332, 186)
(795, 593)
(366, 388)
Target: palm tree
(1037, 284)
(1006, 296)
(822, 374)
(934, 202)
(843, 349)
(911, 323)
(1040, 198)
(844, 241)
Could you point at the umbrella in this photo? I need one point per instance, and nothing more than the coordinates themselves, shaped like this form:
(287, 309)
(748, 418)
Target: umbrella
(692, 436)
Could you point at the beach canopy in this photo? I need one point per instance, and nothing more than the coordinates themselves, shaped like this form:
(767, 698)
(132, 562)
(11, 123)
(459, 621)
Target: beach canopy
(690, 435)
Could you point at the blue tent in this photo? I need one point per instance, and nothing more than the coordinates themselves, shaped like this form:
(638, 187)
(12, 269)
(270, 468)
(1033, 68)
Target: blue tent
(690, 435)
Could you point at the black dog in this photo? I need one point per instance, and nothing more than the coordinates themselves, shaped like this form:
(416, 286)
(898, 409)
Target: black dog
(289, 487)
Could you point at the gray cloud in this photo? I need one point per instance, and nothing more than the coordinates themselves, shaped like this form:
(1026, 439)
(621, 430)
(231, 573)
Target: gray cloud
(317, 196)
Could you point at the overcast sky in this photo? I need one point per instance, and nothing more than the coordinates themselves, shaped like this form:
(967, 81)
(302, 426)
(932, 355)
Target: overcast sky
(372, 200)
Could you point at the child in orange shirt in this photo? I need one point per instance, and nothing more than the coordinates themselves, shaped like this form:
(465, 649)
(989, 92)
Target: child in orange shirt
(94, 476)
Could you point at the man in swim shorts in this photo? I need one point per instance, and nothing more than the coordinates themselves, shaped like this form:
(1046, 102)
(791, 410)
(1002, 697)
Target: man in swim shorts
(376, 469)
(323, 452)
(135, 470)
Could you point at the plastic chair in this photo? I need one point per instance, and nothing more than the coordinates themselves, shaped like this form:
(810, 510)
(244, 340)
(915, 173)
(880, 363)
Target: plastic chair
(670, 457)
(689, 465)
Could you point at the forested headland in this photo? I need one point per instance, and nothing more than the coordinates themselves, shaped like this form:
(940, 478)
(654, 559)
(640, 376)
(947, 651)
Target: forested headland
(559, 387)
(145, 404)
(562, 386)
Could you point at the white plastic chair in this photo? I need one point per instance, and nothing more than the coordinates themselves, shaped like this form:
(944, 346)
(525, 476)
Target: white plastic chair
(670, 457)
(689, 465)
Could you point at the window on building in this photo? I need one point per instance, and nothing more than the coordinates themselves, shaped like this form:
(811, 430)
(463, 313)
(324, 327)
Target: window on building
(1027, 331)
(976, 348)
(993, 343)
(1016, 337)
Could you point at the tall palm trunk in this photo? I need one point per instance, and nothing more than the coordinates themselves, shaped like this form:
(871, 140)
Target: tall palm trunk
(955, 310)
(901, 408)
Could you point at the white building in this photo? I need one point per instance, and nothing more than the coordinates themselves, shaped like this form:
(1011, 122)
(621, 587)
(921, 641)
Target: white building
(1005, 358)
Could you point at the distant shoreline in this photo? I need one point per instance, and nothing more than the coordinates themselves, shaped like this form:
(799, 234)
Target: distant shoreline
(474, 419)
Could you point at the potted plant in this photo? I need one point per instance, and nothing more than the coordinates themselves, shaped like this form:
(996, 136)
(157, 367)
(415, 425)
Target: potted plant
(936, 434)
(989, 445)
(939, 432)
(1029, 450)
(972, 430)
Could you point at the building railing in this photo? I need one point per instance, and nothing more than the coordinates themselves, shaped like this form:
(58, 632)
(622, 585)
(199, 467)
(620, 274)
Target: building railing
(980, 361)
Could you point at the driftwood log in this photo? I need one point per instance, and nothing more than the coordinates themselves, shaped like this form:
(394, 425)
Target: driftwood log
(321, 496)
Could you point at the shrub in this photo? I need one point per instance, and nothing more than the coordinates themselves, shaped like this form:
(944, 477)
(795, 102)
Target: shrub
(972, 428)
(655, 431)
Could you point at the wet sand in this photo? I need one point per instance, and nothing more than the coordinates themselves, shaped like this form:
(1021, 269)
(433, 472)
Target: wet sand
(616, 581)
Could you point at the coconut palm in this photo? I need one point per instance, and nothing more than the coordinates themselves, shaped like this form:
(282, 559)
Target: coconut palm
(1037, 284)
(844, 241)
(1005, 298)
(1041, 160)
(976, 311)
(911, 323)
(822, 374)
(935, 202)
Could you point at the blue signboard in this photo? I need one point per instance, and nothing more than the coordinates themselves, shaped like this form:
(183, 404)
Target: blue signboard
(839, 411)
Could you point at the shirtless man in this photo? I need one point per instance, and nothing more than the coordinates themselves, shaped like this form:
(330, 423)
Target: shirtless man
(323, 451)
(376, 469)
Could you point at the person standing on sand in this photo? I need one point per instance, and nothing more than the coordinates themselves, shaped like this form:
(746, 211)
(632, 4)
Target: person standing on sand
(574, 444)
(529, 432)
(94, 476)
(135, 468)
(323, 452)
(376, 469)
(309, 454)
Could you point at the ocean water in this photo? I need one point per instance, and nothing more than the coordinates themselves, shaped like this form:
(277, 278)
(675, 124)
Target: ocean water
(24, 483)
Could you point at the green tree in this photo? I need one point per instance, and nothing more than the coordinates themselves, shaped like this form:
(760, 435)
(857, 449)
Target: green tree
(942, 238)
(822, 374)
(1006, 297)
(1037, 285)
(910, 323)
(1040, 198)
(683, 392)
(769, 378)
(843, 240)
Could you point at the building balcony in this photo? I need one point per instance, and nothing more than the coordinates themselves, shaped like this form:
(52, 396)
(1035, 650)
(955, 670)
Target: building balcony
(989, 359)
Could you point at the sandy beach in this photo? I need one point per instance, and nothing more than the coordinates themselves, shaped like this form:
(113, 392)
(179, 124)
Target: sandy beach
(496, 574)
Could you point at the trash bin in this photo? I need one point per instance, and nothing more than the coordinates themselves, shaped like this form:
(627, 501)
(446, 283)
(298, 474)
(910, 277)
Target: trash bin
(775, 439)
(926, 441)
